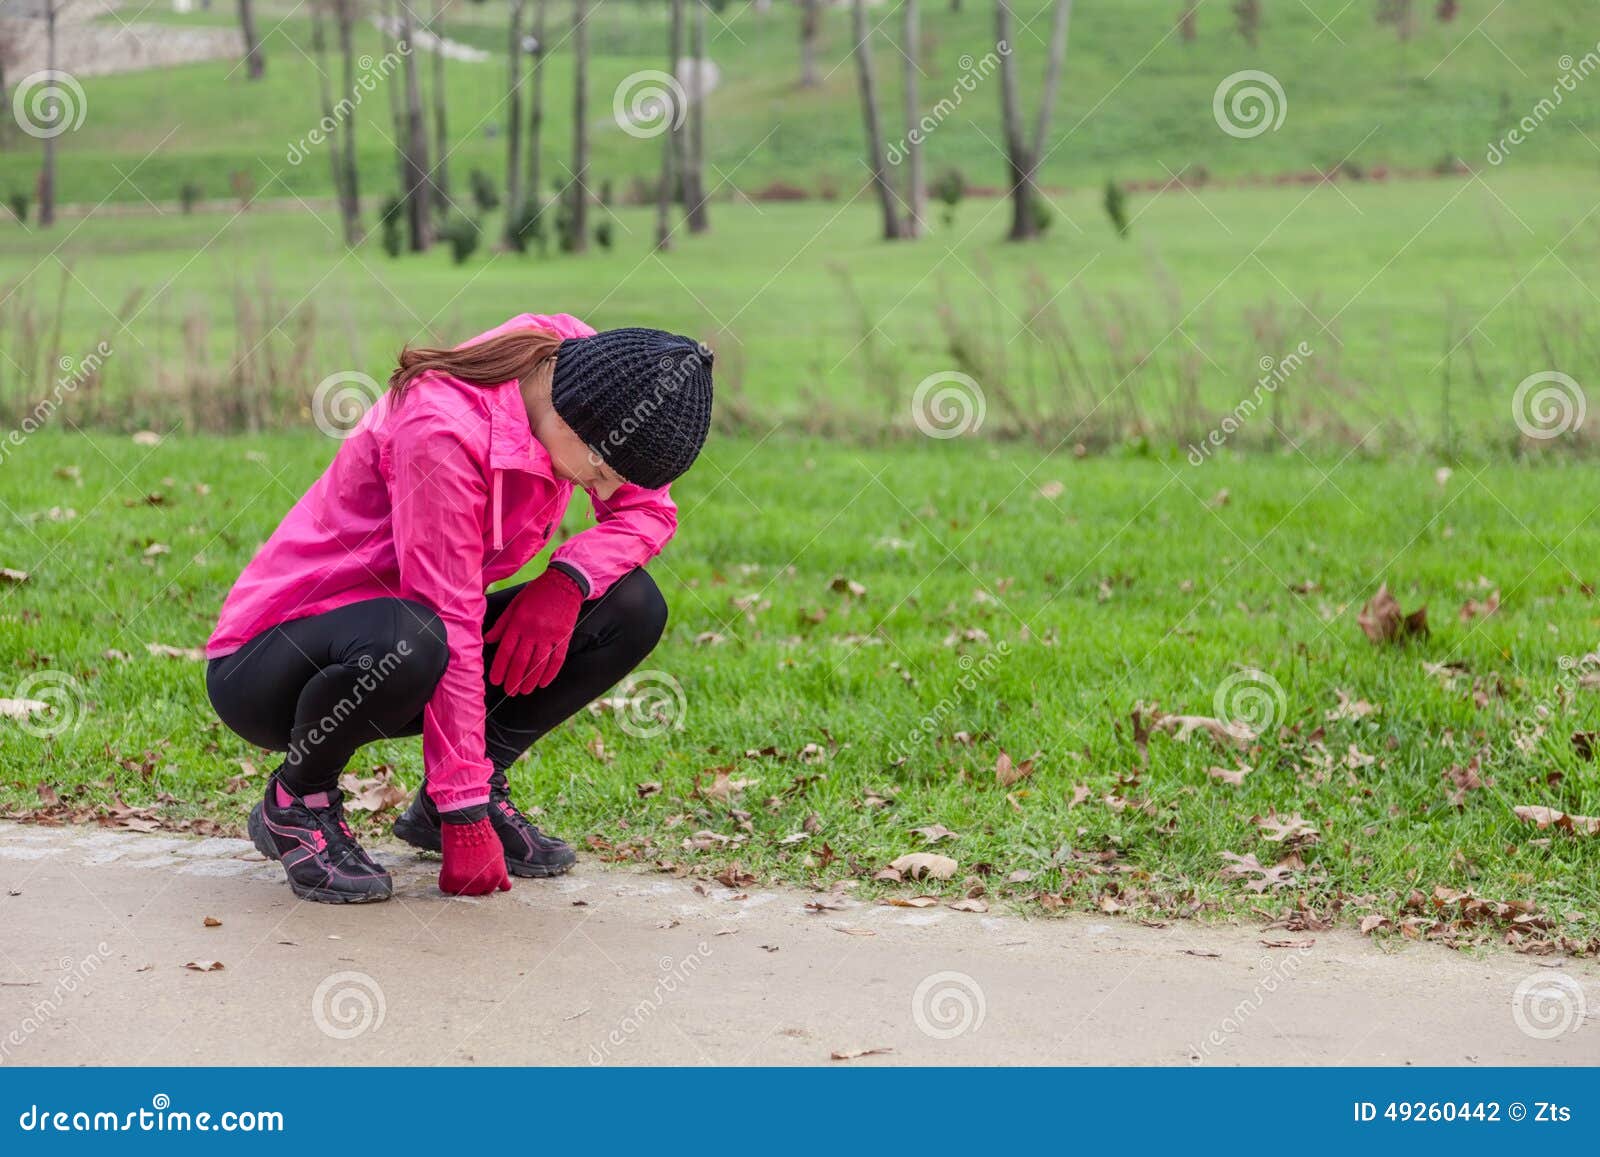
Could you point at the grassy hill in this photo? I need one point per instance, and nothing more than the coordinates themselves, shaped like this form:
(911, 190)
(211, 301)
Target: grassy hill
(1136, 104)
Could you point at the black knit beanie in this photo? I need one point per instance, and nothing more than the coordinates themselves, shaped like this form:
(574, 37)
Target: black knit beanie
(641, 399)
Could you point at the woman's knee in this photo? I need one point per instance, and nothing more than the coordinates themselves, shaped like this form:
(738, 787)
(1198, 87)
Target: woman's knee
(640, 608)
(411, 656)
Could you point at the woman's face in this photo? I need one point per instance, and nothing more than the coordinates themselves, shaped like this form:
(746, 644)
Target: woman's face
(572, 459)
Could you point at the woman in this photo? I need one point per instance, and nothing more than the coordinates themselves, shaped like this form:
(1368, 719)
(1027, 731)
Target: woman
(365, 615)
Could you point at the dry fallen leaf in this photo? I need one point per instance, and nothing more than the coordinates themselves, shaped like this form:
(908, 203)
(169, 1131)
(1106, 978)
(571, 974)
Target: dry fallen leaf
(20, 708)
(212, 922)
(925, 865)
(13, 576)
(910, 902)
(827, 902)
(1546, 817)
(379, 793)
(971, 904)
(1007, 773)
(1375, 923)
(1268, 942)
(1383, 621)
(646, 790)
(204, 965)
(170, 652)
(852, 1054)
(1234, 777)
(1476, 608)
(934, 833)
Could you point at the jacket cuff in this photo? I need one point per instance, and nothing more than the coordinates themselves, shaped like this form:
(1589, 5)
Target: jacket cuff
(573, 573)
(446, 798)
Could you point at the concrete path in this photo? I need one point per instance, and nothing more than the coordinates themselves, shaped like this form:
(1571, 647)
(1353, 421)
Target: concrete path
(624, 967)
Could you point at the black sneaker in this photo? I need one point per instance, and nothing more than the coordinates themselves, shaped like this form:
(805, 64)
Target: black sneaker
(529, 852)
(318, 851)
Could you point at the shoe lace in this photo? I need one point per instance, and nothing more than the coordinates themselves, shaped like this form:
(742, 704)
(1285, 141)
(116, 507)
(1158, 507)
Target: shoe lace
(334, 827)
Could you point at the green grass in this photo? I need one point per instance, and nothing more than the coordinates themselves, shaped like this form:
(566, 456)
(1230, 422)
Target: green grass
(1134, 583)
(1136, 102)
(1381, 281)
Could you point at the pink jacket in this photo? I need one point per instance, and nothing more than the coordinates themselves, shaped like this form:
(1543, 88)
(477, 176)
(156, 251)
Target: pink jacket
(434, 501)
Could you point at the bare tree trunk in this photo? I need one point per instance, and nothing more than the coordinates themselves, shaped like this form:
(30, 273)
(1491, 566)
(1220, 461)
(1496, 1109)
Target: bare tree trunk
(916, 193)
(441, 133)
(671, 138)
(534, 193)
(1022, 155)
(47, 169)
(319, 49)
(350, 189)
(695, 179)
(675, 129)
(397, 108)
(810, 28)
(579, 240)
(869, 109)
(514, 124)
(255, 63)
(418, 188)
(1052, 77)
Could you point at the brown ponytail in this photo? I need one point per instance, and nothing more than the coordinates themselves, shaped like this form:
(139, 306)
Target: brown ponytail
(487, 363)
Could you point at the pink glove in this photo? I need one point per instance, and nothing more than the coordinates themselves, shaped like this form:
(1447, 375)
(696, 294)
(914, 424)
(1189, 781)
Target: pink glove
(474, 860)
(533, 633)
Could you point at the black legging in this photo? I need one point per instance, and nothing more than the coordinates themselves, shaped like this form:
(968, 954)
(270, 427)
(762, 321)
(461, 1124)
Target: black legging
(320, 687)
